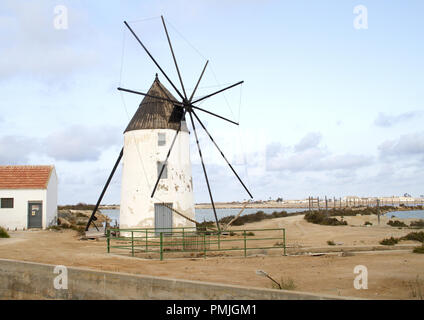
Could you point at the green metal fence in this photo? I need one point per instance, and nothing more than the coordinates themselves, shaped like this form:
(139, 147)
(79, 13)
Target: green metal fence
(192, 240)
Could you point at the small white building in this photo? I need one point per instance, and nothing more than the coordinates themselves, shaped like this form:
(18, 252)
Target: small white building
(28, 197)
(147, 140)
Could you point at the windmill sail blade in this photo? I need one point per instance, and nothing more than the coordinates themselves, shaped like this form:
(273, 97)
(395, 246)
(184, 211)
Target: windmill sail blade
(149, 95)
(198, 81)
(151, 57)
(166, 160)
(173, 56)
(92, 217)
(204, 171)
(219, 91)
(216, 145)
(214, 114)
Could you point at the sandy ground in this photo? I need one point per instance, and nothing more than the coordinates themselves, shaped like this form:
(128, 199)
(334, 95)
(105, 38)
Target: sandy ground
(391, 274)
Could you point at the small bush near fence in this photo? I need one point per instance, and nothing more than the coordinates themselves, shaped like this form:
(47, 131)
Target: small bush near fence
(396, 223)
(319, 217)
(253, 217)
(418, 223)
(3, 233)
(419, 249)
(389, 241)
(414, 236)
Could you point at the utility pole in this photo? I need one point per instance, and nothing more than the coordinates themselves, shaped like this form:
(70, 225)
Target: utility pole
(326, 204)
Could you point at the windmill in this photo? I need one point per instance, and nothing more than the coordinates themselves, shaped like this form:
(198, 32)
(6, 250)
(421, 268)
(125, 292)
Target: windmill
(174, 112)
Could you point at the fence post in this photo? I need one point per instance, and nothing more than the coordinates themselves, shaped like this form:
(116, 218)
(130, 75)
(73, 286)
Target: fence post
(204, 243)
(244, 234)
(147, 240)
(284, 240)
(183, 240)
(219, 241)
(161, 246)
(132, 243)
(108, 240)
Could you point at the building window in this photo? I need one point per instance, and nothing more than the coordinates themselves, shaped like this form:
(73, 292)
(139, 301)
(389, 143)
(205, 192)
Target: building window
(165, 170)
(6, 203)
(161, 139)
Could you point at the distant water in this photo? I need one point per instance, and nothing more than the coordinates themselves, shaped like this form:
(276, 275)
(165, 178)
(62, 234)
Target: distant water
(207, 214)
(415, 214)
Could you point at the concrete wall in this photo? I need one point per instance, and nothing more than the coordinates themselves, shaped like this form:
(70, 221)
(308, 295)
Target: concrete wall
(24, 280)
(139, 174)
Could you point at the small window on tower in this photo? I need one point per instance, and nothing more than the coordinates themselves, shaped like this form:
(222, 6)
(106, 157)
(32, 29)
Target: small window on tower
(165, 170)
(161, 139)
(6, 203)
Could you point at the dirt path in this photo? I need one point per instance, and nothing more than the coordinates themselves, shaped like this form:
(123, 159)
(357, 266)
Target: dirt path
(392, 275)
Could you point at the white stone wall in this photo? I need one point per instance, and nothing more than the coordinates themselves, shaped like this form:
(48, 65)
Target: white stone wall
(51, 206)
(139, 174)
(17, 217)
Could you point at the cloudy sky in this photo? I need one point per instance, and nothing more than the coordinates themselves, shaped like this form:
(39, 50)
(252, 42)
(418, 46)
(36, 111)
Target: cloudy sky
(327, 108)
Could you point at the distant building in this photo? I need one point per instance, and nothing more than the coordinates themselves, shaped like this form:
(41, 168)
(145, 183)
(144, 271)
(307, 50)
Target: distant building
(28, 197)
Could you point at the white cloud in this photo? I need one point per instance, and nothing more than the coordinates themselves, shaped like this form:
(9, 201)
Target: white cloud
(311, 140)
(80, 143)
(385, 120)
(16, 149)
(307, 155)
(407, 145)
(33, 47)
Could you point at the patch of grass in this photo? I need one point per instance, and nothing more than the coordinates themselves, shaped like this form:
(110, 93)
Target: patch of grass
(417, 288)
(418, 249)
(250, 233)
(331, 243)
(3, 233)
(396, 223)
(78, 206)
(56, 228)
(418, 223)
(81, 215)
(319, 217)
(205, 224)
(414, 236)
(285, 284)
(389, 241)
(367, 223)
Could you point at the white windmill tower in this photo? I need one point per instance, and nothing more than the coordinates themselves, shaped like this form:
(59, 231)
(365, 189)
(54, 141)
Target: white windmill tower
(147, 140)
(157, 127)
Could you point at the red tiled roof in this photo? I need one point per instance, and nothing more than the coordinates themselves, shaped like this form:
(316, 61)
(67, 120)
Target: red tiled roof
(25, 177)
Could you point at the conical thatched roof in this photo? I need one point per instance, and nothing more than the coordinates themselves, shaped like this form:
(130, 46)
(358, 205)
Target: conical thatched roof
(157, 114)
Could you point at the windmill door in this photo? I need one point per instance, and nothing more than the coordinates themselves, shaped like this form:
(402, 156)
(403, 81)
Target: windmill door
(163, 218)
(35, 214)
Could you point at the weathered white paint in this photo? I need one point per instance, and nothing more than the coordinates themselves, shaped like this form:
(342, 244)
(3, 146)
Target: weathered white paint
(139, 174)
(17, 217)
